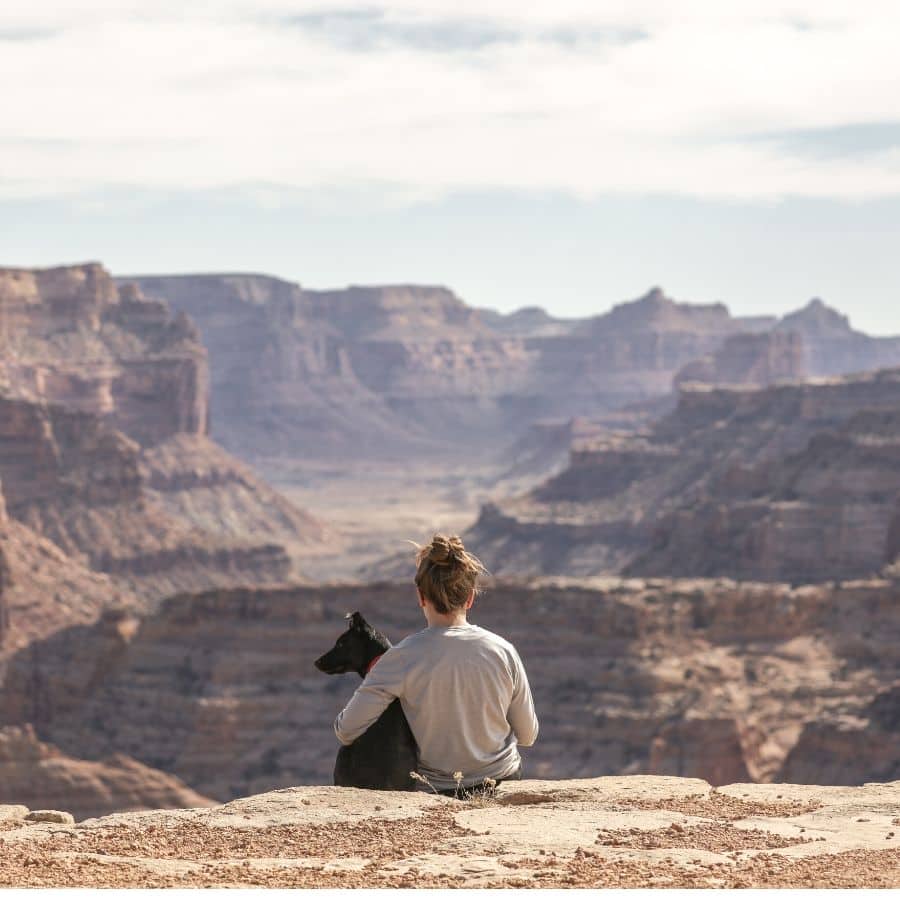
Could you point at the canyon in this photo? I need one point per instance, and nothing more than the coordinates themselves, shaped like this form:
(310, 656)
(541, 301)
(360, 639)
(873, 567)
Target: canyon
(389, 371)
(792, 482)
(445, 415)
(113, 498)
(200, 475)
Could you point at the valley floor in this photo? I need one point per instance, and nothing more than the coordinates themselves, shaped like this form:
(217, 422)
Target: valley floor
(636, 831)
(374, 511)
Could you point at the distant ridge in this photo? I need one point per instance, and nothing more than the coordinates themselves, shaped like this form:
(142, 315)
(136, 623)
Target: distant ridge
(401, 369)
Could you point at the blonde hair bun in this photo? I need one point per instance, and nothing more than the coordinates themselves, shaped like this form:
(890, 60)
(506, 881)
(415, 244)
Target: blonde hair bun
(444, 551)
(446, 573)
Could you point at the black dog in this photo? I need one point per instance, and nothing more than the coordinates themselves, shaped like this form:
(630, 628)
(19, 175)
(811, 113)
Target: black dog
(383, 756)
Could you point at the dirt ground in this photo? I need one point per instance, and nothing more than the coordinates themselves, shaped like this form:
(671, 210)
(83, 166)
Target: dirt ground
(640, 831)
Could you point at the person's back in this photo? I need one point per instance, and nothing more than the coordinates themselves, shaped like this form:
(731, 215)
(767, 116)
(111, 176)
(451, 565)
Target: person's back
(463, 689)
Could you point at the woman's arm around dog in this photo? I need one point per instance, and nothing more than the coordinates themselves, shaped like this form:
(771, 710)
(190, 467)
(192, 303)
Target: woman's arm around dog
(381, 686)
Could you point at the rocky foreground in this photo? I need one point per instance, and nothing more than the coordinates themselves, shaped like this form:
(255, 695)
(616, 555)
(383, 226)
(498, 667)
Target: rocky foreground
(637, 831)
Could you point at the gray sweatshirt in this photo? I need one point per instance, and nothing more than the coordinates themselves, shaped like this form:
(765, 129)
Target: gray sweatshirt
(466, 698)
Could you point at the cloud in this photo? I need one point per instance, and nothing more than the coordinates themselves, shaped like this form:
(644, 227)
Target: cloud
(374, 29)
(693, 98)
(870, 139)
(26, 34)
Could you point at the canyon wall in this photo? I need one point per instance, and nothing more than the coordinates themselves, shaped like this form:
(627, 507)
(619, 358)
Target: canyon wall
(103, 446)
(793, 482)
(74, 479)
(750, 359)
(396, 370)
(37, 775)
(45, 590)
(71, 337)
(709, 679)
(833, 347)
(401, 369)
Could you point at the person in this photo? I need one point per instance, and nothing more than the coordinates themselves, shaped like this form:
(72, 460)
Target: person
(463, 688)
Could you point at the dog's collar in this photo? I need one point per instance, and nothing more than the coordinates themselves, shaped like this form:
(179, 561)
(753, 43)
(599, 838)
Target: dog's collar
(371, 665)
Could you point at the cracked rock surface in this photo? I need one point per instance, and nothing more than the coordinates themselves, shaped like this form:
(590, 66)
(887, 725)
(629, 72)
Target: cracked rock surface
(634, 831)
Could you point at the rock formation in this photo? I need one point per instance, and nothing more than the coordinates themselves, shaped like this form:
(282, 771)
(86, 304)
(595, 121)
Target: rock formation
(71, 477)
(749, 359)
(41, 588)
(198, 483)
(103, 451)
(39, 776)
(71, 337)
(713, 679)
(794, 482)
(401, 369)
(44, 590)
(830, 746)
(833, 347)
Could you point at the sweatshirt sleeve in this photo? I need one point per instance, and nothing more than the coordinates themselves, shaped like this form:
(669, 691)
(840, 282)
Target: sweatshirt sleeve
(379, 688)
(521, 715)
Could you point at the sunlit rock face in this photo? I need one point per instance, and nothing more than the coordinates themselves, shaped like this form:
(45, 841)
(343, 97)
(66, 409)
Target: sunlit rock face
(150, 518)
(70, 336)
(709, 679)
(104, 453)
(795, 482)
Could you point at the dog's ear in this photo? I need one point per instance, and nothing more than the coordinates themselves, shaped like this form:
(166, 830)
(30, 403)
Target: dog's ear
(357, 621)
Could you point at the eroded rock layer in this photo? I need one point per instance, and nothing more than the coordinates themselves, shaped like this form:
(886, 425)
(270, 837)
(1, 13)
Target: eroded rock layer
(708, 679)
(103, 447)
(795, 482)
(44, 590)
(71, 337)
(750, 359)
(39, 776)
(401, 368)
(74, 479)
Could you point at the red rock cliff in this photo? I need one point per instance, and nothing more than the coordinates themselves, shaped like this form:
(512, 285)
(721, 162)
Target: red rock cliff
(73, 478)
(400, 369)
(709, 679)
(794, 482)
(70, 336)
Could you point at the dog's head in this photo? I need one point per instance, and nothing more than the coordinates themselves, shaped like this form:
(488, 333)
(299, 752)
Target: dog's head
(354, 649)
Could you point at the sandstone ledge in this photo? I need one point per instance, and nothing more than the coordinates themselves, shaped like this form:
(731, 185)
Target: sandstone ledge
(636, 831)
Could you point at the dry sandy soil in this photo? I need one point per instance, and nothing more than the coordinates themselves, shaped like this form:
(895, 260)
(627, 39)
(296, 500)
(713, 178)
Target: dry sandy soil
(637, 831)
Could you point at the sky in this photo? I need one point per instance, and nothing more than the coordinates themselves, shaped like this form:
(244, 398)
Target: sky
(566, 154)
